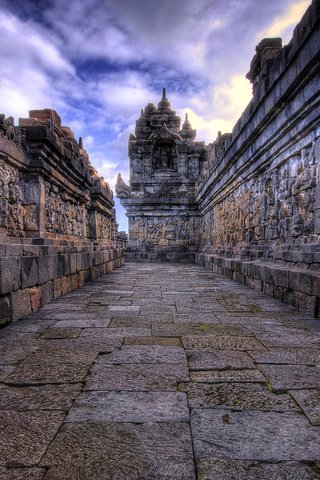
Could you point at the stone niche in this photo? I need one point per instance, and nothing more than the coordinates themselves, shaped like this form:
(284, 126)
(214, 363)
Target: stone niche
(165, 161)
(57, 218)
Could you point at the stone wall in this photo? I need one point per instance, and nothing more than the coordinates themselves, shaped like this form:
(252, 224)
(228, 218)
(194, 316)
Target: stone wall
(259, 191)
(247, 205)
(57, 219)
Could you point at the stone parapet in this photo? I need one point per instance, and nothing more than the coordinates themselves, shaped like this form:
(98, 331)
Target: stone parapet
(57, 219)
(290, 283)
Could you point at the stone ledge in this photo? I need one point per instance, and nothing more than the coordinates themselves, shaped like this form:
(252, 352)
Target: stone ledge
(296, 286)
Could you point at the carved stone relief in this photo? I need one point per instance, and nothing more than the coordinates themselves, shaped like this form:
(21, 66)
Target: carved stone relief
(64, 215)
(16, 216)
(277, 206)
(164, 231)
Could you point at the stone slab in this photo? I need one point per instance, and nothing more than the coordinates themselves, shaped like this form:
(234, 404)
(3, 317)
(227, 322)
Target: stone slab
(290, 377)
(169, 341)
(25, 436)
(30, 324)
(309, 401)
(136, 377)
(5, 370)
(31, 372)
(22, 473)
(45, 397)
(220, 342)
(157, 450)
(247, 396)
(298, 340)
(120, 310)
(290, 356)
(61, 332)
(67, 315)
(88, 334)
(264, 436)
(175, 329)
(62, 350)
(133, 407)
(156, 317)
(86, 346)
(230, 376)
(196, 318)
(129, 332)
(219, 360)
(146, 354)
(84, 323)
(228, 469)
(14, 350)
(120, 322)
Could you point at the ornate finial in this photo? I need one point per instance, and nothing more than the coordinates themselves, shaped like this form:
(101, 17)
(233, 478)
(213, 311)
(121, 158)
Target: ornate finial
(187, 130)
(164, 103)
(187, 124)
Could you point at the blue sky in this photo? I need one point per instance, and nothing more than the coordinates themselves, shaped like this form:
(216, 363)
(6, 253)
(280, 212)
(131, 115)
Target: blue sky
(98, 62)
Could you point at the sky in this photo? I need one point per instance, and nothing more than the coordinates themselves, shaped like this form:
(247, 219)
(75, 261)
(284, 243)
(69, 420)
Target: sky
(98, 62)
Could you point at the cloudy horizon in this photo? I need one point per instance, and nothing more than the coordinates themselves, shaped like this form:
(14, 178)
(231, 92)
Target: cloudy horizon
(97, 63)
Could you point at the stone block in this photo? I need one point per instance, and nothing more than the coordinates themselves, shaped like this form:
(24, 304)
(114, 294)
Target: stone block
(31, 250)
(66, 265)
(60, 265)
(35, 298)
(316, 285)
(306, 282)
(283, 278)
(5, 311)
(294, 280)
(271, 275)
(48, 268)
(66, 285)
(305, 303)
(47, 293)
(29, 272)
(21, 304)
(57, 288)
(78, 262)
(73, 263)
(74, 282)
(10, 274)
(13, 250)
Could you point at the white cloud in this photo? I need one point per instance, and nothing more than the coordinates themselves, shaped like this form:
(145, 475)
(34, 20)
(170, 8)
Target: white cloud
(282, 25)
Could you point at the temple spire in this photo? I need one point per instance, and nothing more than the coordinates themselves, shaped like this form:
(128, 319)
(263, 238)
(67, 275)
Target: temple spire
(164, 104)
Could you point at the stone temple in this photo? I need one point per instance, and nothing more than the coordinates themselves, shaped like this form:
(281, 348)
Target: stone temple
(165, 162)
(248, 204)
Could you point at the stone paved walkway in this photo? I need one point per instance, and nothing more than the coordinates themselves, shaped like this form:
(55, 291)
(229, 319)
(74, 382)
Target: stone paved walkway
(161, 371)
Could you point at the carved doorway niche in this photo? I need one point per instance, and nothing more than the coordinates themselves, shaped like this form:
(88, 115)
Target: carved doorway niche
(164, 156)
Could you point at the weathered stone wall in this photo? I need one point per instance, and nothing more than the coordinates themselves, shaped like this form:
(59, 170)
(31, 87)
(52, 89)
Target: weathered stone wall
(259, 191)
(57, 221)
(247, 205)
